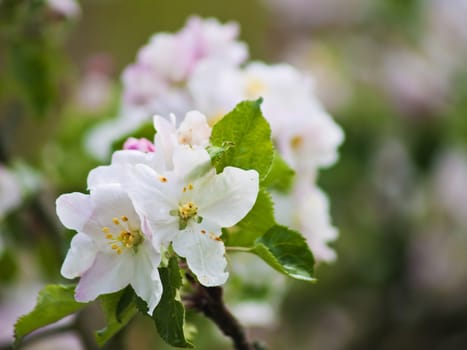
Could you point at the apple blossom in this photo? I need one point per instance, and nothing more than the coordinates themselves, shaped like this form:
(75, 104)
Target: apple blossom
(10, 191)
(188, 208)
(307, 210)
(65, 8)
(305, 134)
(155, 82)
(112, 247)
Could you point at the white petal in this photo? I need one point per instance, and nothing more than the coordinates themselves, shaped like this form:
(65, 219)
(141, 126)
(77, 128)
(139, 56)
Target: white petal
(191, 163)
(110, 201)
(104, 175)
(146, 281)
(120, 171)
(109, 273)
(228, 197)
(165, 139)
(204, 253)
(194, 130)
(80, 256)
(74, 210)
(152, 192)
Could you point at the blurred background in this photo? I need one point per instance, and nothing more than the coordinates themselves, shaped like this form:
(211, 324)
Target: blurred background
(391, 72)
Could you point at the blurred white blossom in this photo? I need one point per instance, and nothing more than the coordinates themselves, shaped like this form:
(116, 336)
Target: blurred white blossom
(10, 191)
(307, 210)
(450, 179)
(65, 8)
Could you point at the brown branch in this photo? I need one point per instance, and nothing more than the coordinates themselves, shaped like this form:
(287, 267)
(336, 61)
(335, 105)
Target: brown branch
(209, 301)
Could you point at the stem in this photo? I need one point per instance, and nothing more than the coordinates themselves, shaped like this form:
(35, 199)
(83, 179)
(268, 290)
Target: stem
(39, 336)
(209, 301)
(238, 249)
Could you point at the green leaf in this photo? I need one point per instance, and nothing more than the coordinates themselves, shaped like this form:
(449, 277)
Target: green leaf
(53, 303)
(119, 309)
(9, 266)
(281, 175)
(258, 221)
(242, 139)
(287, 252)
(169, 314)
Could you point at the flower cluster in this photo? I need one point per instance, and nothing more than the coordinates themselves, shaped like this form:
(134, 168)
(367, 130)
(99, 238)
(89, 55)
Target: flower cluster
(154, 197)
(203, 67)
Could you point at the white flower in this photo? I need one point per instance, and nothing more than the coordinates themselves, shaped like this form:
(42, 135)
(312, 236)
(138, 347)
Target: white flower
(112, 247)
(10, 191)
(306, 209)
(449, 179)
(156, 81)
(193, 132)
(66, 8)
(188, 206)
(304, 132)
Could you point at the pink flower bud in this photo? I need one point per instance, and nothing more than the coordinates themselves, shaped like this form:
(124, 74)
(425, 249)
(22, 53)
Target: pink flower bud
(142, 144)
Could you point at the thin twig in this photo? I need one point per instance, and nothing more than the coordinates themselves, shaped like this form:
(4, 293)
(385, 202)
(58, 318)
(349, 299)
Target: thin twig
(209, 301)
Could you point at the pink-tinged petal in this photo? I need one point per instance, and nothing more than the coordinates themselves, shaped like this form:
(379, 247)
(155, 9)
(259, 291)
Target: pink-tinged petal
(204, 253)
(146, 281)
(74, 210)
(109, 273)
(228, 197)
(80, 256)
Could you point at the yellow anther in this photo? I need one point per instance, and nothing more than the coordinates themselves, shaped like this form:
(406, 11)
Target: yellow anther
(105, 230)
(115, 221)
(184, 189)
(190, 187)
(124, 218)
(119, 251)
(115, 246)
(162, 179)
(109, 236)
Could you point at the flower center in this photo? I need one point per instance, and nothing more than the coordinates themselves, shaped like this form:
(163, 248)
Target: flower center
(254, 87)
(296, 142)
(187, 210)
(126, 236)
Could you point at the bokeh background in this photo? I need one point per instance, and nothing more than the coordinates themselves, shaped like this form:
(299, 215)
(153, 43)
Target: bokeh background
(391, 72)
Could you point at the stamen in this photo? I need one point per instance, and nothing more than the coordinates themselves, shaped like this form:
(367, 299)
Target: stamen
(162, 179)
(187, 210)
(128, 237)
(296, 142)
